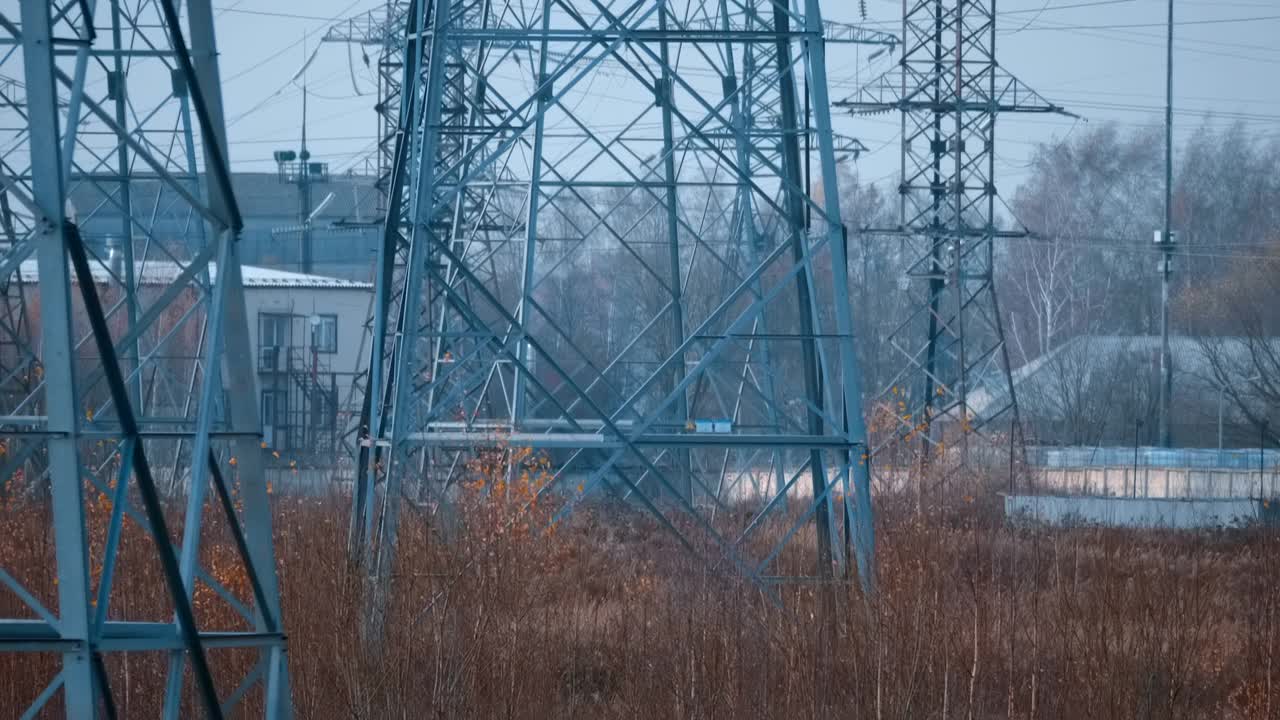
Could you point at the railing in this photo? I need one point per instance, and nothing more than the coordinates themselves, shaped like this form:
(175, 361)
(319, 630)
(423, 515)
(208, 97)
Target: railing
(291, 359)
(1190, 458)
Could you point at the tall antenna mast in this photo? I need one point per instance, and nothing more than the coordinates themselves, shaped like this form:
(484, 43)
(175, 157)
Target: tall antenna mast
(305, 63)
(304, 177)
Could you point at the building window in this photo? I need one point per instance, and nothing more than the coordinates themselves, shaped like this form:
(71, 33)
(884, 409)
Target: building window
(273, 339)
(273, 330)
(275, 417)
(324, 333)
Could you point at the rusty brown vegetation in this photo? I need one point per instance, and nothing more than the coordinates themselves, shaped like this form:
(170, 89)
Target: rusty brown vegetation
(606, 617)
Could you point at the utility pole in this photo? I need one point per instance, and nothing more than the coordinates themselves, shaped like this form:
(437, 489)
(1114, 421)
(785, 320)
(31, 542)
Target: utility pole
(1166, 242)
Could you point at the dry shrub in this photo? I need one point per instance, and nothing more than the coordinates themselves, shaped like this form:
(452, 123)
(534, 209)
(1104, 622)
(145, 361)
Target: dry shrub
(605, 616)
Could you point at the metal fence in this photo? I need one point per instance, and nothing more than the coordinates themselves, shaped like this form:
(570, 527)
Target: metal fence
(1152, 457)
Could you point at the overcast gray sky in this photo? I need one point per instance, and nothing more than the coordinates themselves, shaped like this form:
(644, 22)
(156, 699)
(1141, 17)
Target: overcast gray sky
(1103, 59)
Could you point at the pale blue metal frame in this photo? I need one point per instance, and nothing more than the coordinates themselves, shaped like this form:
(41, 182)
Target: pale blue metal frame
(46, 157)
(469, 365)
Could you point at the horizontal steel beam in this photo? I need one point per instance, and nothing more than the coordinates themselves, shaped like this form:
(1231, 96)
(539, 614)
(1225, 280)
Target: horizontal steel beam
(694, 440)
(373, 28)
(40, 636)
(577, 35)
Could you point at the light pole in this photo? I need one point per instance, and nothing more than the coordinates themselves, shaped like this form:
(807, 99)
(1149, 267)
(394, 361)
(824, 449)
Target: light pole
(1137, 427)
(1221, 389)
(1262, 457)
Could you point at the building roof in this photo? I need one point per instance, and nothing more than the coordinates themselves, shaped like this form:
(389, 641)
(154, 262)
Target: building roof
(163, 272)
(255, 276)
(1186, 351)
(1097, 353)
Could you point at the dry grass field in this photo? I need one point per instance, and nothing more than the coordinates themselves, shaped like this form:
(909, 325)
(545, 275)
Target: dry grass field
(604, 617)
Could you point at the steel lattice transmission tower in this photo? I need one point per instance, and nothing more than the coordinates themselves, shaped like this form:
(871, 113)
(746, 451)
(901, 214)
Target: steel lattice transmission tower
(602, 243)
(120, 346)
(949, 90)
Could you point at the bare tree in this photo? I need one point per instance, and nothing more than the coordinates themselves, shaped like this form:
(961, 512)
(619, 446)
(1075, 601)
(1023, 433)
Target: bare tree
(1089, 391)
(1090, 204)
(1238, 334)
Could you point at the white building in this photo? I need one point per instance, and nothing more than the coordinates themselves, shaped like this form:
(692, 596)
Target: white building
(308, 344)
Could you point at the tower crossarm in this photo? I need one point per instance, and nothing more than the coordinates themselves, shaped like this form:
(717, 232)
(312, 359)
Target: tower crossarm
(376, 27)
(907, 90)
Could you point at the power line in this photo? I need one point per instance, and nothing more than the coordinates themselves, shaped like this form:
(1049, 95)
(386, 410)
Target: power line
(1120, 26)
(282, 93)
(1131, 245)
(1053, 8)
(241, 73)
(1181, 46)
(291, 16)
(274, 141)
(1193, 112)
(1204, 98)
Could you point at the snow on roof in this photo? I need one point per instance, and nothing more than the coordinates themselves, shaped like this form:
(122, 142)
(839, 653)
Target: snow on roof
(255, 276)
(1098, 353)
(163, 272)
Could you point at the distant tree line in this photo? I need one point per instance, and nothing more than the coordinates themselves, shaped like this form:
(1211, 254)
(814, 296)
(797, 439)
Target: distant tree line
(1089, 268)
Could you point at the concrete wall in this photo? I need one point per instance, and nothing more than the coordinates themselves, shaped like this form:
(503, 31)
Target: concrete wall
(1158, 482)
(1138, 512)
